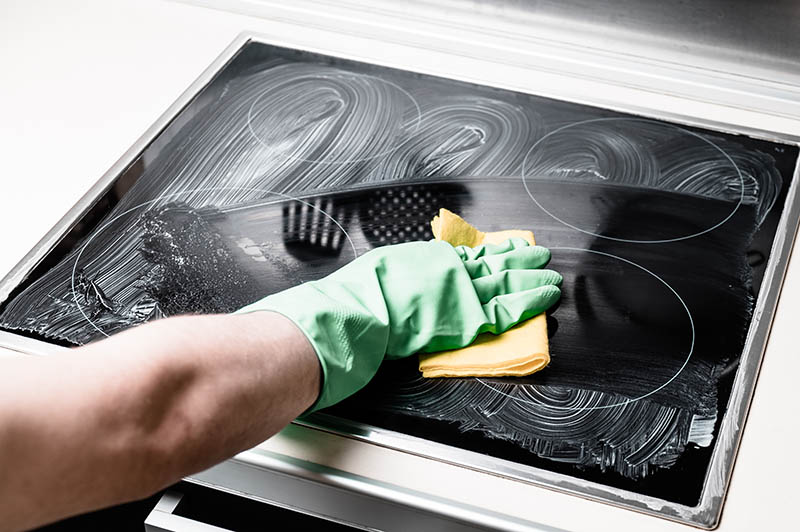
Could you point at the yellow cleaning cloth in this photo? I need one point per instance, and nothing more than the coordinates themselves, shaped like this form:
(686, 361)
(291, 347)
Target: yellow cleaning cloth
(521, 350)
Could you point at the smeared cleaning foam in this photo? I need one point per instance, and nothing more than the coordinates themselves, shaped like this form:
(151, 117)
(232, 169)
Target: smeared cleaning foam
(520, 351)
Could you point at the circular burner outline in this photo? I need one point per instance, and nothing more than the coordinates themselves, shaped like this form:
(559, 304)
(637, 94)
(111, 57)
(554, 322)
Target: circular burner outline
(627, 401)
(634, 241)
(341, 161)
(169, 196)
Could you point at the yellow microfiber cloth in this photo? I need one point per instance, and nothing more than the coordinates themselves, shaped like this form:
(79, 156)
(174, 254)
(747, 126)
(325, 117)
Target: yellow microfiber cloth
(521, 350)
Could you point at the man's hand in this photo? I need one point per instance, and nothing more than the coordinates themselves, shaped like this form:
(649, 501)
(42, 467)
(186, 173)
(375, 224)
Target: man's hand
(418, 297)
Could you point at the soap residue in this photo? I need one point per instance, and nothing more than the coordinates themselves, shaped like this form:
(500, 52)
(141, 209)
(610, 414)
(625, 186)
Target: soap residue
(294, 127)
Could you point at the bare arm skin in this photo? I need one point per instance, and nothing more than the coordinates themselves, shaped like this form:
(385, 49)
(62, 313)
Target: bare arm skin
(119, 419)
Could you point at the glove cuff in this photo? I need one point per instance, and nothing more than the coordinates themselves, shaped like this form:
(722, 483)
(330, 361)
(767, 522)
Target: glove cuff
(347, 339)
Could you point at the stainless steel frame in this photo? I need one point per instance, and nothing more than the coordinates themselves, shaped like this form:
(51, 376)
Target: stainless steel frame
(675, 52)
(353, 500)
(161, 519)
(229, 475)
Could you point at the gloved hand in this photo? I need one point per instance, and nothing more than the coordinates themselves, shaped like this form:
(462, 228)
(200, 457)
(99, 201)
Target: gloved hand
(398, 300)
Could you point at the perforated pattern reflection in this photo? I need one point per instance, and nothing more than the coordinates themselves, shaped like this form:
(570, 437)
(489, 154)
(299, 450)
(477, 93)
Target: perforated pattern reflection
(399, 214)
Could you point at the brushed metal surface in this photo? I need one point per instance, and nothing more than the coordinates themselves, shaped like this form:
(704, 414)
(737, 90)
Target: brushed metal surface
(750, 39)
(755, 36)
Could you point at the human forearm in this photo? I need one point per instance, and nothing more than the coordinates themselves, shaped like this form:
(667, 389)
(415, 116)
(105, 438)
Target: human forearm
(119, 419)
(168, 398)
(219, 385)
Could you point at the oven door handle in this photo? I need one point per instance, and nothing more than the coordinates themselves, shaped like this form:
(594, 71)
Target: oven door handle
(161, 519)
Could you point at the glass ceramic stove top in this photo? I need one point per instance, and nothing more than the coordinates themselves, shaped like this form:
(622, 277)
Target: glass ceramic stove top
(289, 164)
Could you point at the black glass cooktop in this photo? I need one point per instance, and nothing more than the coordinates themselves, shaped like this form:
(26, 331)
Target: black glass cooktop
(289, 164)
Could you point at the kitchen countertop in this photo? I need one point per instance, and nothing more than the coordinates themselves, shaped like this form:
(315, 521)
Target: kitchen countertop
(82, 80)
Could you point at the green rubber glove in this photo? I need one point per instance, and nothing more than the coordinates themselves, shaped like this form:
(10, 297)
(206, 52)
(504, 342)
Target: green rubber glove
(398, 300)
